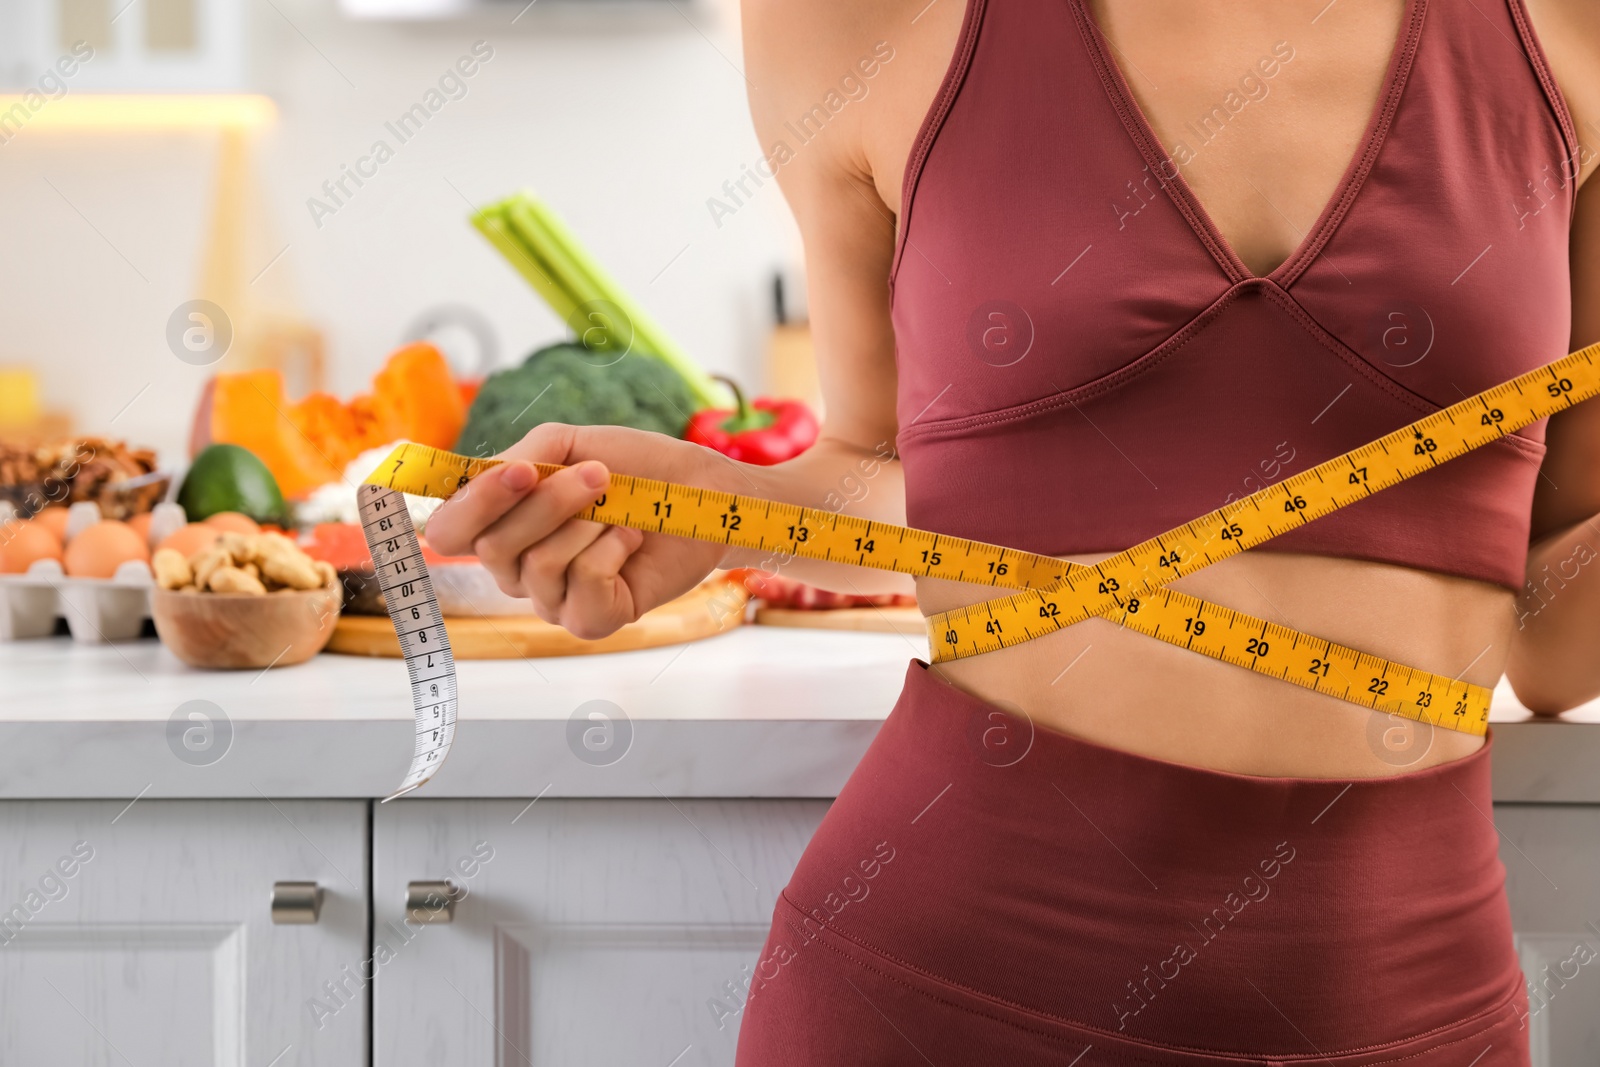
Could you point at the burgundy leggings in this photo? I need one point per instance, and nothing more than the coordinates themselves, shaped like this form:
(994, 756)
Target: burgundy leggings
(984, 892)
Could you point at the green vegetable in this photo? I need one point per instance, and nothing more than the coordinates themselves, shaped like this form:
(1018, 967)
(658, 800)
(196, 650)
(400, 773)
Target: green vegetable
(492, 224)
(603, 316)
(231, 478)
(568, 383)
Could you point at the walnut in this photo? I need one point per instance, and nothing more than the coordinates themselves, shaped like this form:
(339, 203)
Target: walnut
(121, 480)
(99, 469)
(19, 466)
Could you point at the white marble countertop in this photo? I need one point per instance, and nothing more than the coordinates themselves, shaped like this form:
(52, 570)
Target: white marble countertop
(759, 712)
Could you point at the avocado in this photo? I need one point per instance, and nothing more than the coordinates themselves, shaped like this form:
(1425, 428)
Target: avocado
(230, 478)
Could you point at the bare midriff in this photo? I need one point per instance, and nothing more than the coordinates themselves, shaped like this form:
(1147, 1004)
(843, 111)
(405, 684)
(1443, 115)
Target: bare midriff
(1102, 683)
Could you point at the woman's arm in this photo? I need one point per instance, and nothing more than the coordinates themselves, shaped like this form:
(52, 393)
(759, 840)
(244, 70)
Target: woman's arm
(795, 55)
(1555, 650)
(1555, 653)
(593, 579)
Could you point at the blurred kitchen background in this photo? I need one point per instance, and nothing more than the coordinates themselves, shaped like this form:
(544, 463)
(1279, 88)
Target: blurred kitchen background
(179, 162)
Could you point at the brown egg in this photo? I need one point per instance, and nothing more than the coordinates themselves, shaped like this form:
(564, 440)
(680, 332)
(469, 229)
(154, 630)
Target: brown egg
(190, 540)
(54, 519)
(98, 551)
(23, 542)
(141, 525)
(234, 522)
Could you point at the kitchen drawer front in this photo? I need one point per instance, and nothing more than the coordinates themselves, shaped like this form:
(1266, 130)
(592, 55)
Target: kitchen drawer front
(585, 933)
(143, 933)
(1552, 857)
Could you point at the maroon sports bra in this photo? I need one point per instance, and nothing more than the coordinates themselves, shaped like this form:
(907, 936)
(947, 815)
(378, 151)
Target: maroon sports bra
(1084, 362)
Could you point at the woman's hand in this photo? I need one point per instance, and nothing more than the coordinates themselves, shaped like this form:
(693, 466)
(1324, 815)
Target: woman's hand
(587, 577)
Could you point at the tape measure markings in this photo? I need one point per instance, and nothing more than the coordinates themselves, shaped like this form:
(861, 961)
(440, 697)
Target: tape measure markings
(1134, 563)
(620, 506)
(392, 542)
(1313, 663)
(806, 532)
(1127, 588)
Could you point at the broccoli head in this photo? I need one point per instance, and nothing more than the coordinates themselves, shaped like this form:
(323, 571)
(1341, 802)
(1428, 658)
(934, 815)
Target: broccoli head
(569, 383)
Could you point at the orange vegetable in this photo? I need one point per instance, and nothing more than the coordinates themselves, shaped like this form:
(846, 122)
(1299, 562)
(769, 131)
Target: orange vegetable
(249, 409)
(368, 426)
(325, 422)
(308, 443)
(416, 396)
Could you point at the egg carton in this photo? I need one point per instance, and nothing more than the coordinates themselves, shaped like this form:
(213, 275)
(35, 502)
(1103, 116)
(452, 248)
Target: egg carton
(97, 610)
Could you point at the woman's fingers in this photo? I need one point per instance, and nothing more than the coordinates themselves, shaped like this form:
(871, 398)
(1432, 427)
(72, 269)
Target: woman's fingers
(598, 601)
(457, 524)
(582, 575)
(557, 499)
(541, 570)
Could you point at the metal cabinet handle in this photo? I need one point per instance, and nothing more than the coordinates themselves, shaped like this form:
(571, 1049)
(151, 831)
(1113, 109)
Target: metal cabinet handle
(296, 903)
(430, 902)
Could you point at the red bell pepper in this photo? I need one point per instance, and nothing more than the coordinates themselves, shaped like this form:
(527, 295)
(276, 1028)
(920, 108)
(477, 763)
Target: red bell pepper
(762, 432)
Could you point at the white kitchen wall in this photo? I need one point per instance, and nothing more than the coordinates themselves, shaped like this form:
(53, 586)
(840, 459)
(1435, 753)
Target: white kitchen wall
(625, 118)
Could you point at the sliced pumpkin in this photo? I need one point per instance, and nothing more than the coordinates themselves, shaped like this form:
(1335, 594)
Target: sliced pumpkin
(416, 394)
(325, 421)
(249, 409)
(308, 443)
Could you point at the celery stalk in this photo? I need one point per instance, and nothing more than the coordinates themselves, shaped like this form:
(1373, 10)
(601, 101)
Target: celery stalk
(549, 234)
(648, 334)
(544, 238)
(491, 222)
(566, 273)
(554, 234)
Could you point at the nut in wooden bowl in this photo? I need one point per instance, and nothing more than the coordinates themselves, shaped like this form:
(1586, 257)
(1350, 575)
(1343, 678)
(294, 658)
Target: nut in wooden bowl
(249, 601)
(236, 631)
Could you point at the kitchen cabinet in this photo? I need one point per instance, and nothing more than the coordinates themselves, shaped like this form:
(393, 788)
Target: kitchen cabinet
(54, 47)
(587, 933)
(142, 933)
(511, 931)
(1553, 880)
(607, 914)
(604, 932)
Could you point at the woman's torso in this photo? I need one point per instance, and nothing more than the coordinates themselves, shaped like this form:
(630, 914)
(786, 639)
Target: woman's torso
(1262, 180)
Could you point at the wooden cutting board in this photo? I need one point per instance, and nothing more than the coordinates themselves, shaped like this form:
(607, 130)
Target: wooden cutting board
(711, 608)
(896, 620)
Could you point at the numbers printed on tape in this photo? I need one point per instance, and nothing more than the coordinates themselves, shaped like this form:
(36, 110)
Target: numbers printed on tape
(1252, 520)
(418, 623)
(1310, 662)
(1127, 588)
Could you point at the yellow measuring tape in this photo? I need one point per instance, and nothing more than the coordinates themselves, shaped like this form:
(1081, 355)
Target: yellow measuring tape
(1127, 588)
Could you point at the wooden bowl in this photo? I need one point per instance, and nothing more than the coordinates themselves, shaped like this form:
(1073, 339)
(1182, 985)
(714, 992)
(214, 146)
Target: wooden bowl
(223, 631)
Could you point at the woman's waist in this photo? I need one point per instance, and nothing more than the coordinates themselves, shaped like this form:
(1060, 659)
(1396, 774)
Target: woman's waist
(1053, 872)
(1116, 687)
